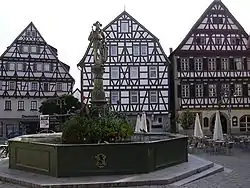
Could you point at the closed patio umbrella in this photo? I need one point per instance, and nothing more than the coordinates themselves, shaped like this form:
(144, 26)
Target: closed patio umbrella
(218, 134)
(144, 127)
(197, 127)
(138, 124)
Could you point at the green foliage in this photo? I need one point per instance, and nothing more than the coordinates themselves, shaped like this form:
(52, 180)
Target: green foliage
(186, 119)
(113, 127)
(60, 105)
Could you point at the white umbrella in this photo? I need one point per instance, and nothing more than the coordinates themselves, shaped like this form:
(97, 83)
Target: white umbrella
(218, 134)
(197, 127)
(144, 123)
(138, 124)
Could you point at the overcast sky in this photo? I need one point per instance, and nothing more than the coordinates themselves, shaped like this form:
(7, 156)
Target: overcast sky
(66, 24)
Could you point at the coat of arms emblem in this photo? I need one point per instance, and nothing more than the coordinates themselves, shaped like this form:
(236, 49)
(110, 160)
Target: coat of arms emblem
(101, 160)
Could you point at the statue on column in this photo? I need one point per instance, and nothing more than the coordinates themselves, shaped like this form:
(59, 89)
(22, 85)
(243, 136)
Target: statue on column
(97, 38)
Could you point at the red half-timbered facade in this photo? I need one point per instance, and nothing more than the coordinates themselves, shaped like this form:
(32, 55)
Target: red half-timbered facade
(212, 70)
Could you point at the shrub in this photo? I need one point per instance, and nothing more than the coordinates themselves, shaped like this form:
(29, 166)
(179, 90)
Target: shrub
(187, 119)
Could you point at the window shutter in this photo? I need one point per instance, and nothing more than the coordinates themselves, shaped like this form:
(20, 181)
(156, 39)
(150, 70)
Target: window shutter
(179, 91)
(245, 63)
(205, 90)
(178, 64)
(231, 89)
(192, 91)
(218, 63)
(191, 64)
(245, 90)
(205, 62)
(231, 63)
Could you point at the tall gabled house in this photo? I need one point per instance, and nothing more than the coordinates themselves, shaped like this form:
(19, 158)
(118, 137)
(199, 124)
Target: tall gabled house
(136, 72)
(211, 70)
(30, 73)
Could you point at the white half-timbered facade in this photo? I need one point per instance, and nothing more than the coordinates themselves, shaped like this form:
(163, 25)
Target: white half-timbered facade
(30, 73)
(136, 72)
(212, 70)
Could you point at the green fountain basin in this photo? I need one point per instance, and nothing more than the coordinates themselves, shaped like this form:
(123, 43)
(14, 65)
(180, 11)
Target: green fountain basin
(143, 153)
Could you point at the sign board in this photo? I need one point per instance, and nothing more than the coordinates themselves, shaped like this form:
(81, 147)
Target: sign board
(44, 121)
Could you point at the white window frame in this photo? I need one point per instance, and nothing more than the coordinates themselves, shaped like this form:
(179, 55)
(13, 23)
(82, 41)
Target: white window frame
(238, 89)
(115, 72)
(12, 85)
(124, 26)
(144, 50)
(212, 64)
(114, 97)
(225, 88)
(238, 63)
(134, 95)
(59, 86)
(153, 72)
(7, 105)
(34, 86)
(199, 89)
(198, 62)
(20, 105)
(136, 50)
(212, 91)
(153, 97)
(134, 73)
(113, 50)
(185, 64)
(185, 90)
(33, 105)
(224, 64)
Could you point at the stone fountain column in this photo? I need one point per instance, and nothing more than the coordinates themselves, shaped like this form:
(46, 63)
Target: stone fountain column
(97, 38)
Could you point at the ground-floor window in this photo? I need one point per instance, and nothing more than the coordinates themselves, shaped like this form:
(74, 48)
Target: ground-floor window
(205, 122)
(245, 123)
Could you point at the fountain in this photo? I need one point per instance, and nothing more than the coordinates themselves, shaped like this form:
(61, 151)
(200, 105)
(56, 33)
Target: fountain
(139, 153)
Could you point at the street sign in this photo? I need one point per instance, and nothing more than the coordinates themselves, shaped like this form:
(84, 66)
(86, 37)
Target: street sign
(44, 121)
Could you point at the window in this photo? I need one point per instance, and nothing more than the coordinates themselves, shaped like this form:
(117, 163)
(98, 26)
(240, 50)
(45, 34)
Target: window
(206, 122)
(153, 97)
(59, 86)
(28, 33)
(46, 67)
(211, 64)
(45, 87)
(113, 50)
(152, 72)
(185, 92)
(144, 50)
(124, 26)
(7, 66)
(224, 64)
(12, 85)
(38, 49)
(200, 40)
(238, 89)
(51, 67)
(34, 67)
(33, 49)
(217, 20)
(20, 105)
(34, 86)
(212, 90)
(134, 72)
(218, 41)
(33, 105)
(198, 64)
(225, 88)
(24, 66)
(184, 64)
(33, 33)
(12, 66)
(9, 128)
(115, 97)
(136, 50)
(238, 63)
(39, 67)
(114, 72)
(134, 96)
(20, 67)
(235, 41)
(245, 123)
(7, 105)
(1, 129)
(199, 90)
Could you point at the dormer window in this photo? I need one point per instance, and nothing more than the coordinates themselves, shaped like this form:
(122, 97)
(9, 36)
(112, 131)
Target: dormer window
(28, 33)
(33, 33)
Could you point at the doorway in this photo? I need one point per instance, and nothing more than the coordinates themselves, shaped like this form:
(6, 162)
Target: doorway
(223, 120)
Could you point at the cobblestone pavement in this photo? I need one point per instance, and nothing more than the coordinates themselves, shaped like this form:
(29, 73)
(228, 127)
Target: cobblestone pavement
(239, 177)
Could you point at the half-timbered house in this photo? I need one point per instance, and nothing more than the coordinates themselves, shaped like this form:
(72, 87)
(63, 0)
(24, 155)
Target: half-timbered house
(136, 72)
(30, 73)
(212, 70)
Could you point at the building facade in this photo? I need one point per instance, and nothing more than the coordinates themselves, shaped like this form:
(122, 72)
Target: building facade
(136, 72)
(212, 71)
(30, 73)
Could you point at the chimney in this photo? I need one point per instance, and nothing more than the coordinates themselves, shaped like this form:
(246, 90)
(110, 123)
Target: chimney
(170, 50)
